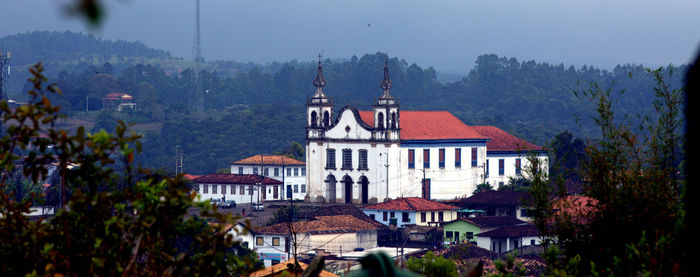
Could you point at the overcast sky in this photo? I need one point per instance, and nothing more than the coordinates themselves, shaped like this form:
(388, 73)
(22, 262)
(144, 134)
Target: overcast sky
(448, 35)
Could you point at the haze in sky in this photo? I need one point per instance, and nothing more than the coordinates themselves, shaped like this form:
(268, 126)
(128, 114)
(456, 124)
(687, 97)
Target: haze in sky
(448, 35)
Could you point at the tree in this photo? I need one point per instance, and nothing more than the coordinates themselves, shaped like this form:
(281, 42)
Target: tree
(430, 265)
(114, 219)
(483, 187)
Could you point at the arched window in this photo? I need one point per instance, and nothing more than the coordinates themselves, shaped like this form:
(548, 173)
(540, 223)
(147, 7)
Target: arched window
(326, 119)
(393, 120)
(313, 119)
(380, 120)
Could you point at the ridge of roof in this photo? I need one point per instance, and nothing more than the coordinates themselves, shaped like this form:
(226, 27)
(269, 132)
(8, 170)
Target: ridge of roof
(410, 204)
(526, 230)
(428, 125)
(236, 179)
(504, 141)
(268, 160)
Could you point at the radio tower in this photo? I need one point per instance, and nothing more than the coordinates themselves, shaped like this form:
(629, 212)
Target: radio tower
(4, 59)
(198, 103)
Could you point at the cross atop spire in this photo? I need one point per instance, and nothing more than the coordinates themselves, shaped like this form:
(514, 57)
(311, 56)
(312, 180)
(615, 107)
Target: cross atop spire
(386, 82)
(320, 81)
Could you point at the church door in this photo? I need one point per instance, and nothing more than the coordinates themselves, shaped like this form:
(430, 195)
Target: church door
(364, 183)
(330, 183)
(348, 189)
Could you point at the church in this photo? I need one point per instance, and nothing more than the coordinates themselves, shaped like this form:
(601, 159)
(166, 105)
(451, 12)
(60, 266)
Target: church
(373, 156)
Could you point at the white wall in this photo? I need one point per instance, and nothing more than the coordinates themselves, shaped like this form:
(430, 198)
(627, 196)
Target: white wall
(379, 217)
(296, 176)
(237, 196)
(509, 160)
(506, 244)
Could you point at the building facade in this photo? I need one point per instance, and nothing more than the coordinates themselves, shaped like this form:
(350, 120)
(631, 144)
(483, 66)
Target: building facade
(411, 211)
(242, 188)
(373, 156)
(291, 172)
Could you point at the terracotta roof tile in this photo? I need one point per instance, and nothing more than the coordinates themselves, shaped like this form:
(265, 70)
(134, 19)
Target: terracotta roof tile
(321, 224)
(242, 179)
(191, 177)
(343, 210)
(428, 125)
(527, 230)
(503, 141)
(269, 160)
(410, 204)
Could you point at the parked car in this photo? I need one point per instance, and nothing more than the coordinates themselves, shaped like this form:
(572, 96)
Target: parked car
(227, 204)
(258, 207)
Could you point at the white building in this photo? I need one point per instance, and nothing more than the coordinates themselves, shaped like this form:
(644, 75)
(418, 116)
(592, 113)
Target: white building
(242, 188)
(372, 156)
(507, 238)
(291, 172)
(411, 211)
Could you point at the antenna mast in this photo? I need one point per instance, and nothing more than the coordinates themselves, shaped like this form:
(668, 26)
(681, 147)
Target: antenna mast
(198, 103)
(4, 59)
(178, 159)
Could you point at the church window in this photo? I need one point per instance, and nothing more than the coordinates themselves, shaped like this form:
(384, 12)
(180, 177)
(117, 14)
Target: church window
(441, 156)
(240, 170)
(426, 158)
(277, 171)
(330, 158)
(393, 120)
(326, 119)
(347, 159)
(411, 158)
(517, 167)
(362, 160)
(458, 157)
(313, 119)
(474, 157)
(501, 169)
(380, 120)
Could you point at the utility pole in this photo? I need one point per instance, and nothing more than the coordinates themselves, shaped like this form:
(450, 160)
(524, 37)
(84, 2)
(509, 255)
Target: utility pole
(386, 165)
(178, 159)
(198, 94)
(4, 59)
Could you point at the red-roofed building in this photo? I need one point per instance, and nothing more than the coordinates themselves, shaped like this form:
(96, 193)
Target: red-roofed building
(291, 172)
(373, 156)
(411, 210)
(118, 101)
(507, 155)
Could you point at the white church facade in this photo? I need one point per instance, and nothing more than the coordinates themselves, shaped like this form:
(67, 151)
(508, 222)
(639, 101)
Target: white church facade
(372, 156)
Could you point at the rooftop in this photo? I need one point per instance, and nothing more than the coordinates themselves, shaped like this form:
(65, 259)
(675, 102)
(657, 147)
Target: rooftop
(343, 210)
(321, 224)
(282, 269)
(118, 95)
(237, 179)
(269, 160)
(503, 141)
(493, 221)
(518, 231)
(429, 125)
(410, 204)
(493, 198)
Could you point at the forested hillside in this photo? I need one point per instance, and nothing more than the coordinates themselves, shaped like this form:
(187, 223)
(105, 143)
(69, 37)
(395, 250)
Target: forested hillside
(260, 108)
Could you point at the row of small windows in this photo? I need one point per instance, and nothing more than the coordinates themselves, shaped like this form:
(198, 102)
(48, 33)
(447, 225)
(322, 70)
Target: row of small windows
(266, 171)
(380, 120)
(441, 157)
(232, 189)
(347, 159)
(501, 167)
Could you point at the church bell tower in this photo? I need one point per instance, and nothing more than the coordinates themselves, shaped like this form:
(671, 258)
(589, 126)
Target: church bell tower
(318, 108)
(386, 111)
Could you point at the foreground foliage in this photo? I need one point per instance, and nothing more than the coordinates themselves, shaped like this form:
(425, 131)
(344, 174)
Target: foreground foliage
(114, 219)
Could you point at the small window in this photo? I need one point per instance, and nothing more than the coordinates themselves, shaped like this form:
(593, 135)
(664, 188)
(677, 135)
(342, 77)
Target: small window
(250, 190)
(392, 215)
(330, 158)
(233, 189)
(405, 218)
(296, 188)
(277, 171)
(372, 216)
(532, 242)
(259, 241)
(487, 168)
(411, 158)
(242, 191)
(240, 170)
(470, 235)
(255, 170)
(205, 188)
(432, 216)
(296, 171)
(223, 189)
(441, 157)
(457, 235)
(426, 158)
(500, 185)
(362, 165)
(266, 172)
(422, 217)
(474, 157)
(213, 189)
(501, 165)
(458, 157)
(440, 217)
(347, 159)
(448, 234)
(385, 216)
(303, 171)
(517, 167)
(275, 241)
(289, 172)
(303, 188)
(380, 120)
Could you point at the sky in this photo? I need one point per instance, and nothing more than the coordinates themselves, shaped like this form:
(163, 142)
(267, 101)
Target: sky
(445, 34)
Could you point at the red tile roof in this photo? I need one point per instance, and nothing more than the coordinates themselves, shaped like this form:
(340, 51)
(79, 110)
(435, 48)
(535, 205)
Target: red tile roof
(503, 141)
(429, 125)
(269, 160)
(518, 231)
(321, 224)
(410, 204)
(191, 177)
(242, 179)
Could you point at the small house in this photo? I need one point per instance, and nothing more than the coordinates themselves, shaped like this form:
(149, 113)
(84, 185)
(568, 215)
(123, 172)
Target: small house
(411, 210)
(464, 229)
(117, 101)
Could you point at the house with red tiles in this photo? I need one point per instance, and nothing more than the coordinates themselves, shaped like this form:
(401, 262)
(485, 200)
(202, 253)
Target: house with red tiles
(411, 211)
(291, 172)
(242, 188)
(382, 154)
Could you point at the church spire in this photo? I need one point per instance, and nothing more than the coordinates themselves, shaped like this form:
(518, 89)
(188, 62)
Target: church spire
(319, 81)
(386, 82)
